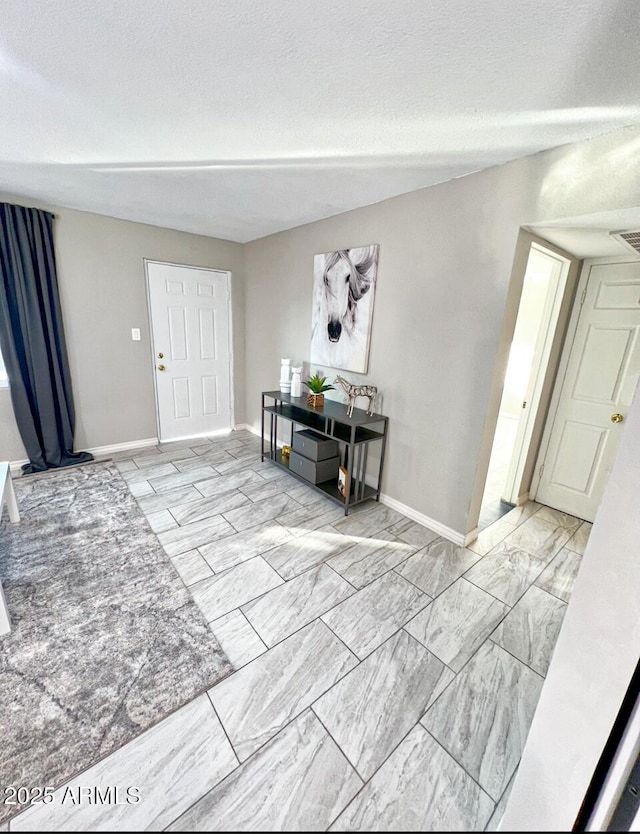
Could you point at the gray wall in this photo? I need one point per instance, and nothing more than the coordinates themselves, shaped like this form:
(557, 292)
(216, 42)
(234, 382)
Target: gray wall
(102, 289)
(443, 316)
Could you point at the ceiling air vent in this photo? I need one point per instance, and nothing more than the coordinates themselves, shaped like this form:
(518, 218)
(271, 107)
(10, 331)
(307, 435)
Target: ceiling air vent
(630, 240)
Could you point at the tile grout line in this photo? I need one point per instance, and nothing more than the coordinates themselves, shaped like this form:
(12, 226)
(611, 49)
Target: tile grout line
(519, 659)
(462, 767)
(340, 640)
(224, 730)
(422, 591)
(551, 594)
(502, 795)
(212, 788)
(340, 576)
(509, 605)
(249, 624)
(334, 740)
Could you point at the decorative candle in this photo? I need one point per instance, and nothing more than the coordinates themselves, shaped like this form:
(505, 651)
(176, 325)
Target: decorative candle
(296, 382)
(285, 378)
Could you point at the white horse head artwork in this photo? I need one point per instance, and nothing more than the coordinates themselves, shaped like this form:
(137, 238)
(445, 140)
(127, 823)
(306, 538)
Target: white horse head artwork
(343, 293)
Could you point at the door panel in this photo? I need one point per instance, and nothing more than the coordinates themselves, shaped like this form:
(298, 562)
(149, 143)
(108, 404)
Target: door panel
(207, 334)
(181, 398)
(190, 318)
(210, 394)
(578, 454)
(613, 295)
(603, 364)
(177, 333)
(601, 375)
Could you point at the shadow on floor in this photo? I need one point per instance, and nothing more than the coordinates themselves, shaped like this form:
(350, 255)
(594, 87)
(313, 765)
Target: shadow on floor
(492, 512)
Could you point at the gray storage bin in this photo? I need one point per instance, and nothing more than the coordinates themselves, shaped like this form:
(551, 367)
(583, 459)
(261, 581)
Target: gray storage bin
(315, 471)
(314, 446)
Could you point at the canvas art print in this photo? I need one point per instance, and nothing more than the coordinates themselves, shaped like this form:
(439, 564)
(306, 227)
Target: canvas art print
(344, 285)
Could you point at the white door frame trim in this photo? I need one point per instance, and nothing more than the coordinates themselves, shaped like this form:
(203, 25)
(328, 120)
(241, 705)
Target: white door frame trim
(563, 365)
(542, 358)
(228, 274)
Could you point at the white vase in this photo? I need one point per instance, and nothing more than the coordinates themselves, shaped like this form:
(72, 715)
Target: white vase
(285, 378)
(296, 382)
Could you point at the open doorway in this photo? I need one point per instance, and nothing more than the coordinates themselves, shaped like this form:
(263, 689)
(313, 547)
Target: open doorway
(543, 291)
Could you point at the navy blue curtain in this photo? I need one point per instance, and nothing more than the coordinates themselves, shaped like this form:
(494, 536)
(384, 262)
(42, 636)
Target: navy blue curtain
(32, 339)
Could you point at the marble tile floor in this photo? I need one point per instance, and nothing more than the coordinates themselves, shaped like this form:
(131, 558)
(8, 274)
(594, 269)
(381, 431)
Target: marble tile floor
(385, 678)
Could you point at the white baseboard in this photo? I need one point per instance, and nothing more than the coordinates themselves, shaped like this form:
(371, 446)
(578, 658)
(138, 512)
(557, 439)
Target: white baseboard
(218, 433)
(247, 427)
(123, 447)
(522, 499)
(254, 430)
(431, 523)
(16, 465)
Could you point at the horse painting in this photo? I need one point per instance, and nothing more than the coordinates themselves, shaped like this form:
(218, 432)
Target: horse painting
(343, 293)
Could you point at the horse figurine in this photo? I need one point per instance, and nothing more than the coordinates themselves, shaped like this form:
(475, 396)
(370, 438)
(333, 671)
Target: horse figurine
(355, 391)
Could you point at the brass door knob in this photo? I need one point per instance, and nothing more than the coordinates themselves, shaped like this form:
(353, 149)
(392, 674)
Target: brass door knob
(161, 367)
(161, 356)
(617, 418)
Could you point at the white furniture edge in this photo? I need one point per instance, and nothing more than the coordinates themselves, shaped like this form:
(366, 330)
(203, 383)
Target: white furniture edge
(8, 497)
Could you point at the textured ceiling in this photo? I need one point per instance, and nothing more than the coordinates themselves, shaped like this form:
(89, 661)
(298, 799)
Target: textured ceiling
(240, 118)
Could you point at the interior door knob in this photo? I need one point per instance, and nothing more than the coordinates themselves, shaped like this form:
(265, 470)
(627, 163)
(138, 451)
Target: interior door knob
(617, 418)
(161, 367)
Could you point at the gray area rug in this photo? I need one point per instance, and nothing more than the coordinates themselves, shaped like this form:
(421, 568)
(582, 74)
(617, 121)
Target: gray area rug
(105, 638)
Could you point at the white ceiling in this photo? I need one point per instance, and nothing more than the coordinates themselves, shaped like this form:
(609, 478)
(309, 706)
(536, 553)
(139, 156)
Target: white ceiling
(238, 118)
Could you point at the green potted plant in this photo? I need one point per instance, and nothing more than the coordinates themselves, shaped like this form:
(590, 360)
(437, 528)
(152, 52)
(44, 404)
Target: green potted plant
(317, 387)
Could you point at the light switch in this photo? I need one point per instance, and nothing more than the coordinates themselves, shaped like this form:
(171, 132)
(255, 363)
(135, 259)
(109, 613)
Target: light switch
(135, 334)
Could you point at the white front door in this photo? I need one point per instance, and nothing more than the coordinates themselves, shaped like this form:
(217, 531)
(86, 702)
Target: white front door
(190, 323)
(601, 374)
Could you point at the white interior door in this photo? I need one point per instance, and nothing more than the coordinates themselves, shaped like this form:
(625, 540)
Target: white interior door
(601, 374)
(191, 327)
